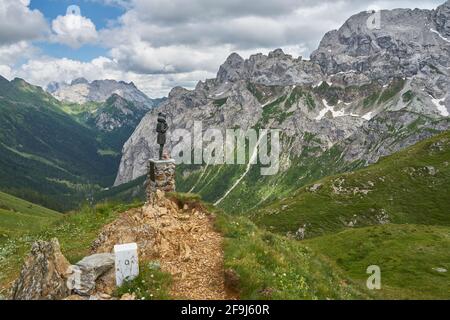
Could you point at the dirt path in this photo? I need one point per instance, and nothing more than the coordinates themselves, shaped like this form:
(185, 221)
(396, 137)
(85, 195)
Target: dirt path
(183, 240)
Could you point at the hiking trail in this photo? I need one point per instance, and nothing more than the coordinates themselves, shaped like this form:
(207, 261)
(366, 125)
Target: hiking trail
(182, 239)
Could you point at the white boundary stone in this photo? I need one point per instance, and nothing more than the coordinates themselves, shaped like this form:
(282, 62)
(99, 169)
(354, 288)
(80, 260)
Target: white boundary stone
(127, 262)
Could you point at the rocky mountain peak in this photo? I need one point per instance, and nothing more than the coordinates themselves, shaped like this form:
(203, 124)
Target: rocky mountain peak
(115, 98)
(234, 59)
(403, 44)
(232, 70)
(278, 54)
(442, 19)
(81, 91)
(52, 87)
(177, 91)
(79, 81)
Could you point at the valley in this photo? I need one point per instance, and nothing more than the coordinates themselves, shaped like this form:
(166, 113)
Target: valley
(60, 154)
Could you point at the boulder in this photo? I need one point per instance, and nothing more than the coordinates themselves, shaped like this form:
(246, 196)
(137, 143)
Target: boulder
(128, 296)
(44, 274)
(85, 273)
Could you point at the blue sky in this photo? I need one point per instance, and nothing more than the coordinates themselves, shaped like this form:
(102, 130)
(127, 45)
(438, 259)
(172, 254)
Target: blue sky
(160, 44)
(101, 15)
(97, 11)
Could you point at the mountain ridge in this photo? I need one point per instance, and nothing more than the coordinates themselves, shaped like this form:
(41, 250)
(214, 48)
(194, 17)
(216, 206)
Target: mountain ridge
(81, 91)
(46, 155)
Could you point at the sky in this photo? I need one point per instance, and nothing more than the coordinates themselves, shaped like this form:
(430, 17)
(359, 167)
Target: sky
(160, 44)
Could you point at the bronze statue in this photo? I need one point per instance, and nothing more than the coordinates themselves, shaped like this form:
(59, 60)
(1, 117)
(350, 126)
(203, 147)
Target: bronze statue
(162, 128)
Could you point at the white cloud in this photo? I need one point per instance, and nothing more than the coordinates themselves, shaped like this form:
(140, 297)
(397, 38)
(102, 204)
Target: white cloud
(170, 36)
(74, 30)
(5, 72)
(11, 53)
(140, 57)
(41, 71)
(18, 22)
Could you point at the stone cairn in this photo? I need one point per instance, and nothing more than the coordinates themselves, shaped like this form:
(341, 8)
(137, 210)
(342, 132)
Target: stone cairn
(161, 176)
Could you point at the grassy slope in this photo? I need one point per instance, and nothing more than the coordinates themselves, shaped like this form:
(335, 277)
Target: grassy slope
(126, 193)
(75, 232)
(271, 266)
(18, 216)
(408, 256)
(274, 267)
(412, 186)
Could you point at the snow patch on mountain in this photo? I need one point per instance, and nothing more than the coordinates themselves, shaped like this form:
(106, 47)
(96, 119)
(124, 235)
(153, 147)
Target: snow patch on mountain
(335, 113)
(440, 35)
(440, 105)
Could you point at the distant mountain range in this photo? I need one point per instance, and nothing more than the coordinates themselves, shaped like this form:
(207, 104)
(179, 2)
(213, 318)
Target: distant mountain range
(82, 91)
(59, 153)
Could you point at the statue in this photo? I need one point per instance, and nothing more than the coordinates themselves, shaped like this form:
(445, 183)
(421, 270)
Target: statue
(162, 128)
(161, 172)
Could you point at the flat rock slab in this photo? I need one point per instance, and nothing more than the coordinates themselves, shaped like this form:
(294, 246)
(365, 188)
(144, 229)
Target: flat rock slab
(86, 272)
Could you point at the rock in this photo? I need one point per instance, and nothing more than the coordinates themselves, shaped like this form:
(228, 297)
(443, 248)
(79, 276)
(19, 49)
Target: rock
(232, 70)
(154, 265)
(86, 272)
(301, 233)
(431, 170)
(44, 274)
(441, 17)
(352, 223)
(161, 177)
(75, 297)
(315, 187)
(128, 296)
(105, 296)
(100, 296)
(386, 53)
(107, 282)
